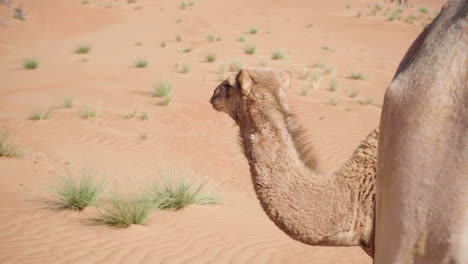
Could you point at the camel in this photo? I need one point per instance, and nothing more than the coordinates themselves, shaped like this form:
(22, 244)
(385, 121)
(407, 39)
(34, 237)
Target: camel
(420, 193)
(335, 209)
(422, 167)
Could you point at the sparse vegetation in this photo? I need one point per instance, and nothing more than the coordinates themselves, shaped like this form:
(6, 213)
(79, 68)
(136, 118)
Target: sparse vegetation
(353, 94)
(38, 115)
(30, 63)
(319, 65)
(327, 48)
(185, 68)
(125, 211)
(210, 38)
(357, 76)
(178, 38)
(82, 49)
(8, 148)
(250, 49)
(235, 66)
(162, 44)
(241, 39)
(144, 116)
(88, 112)
(184, 4)
(348, 6)
(131, 115)
(77, 193)
(68, 103)
(332, 101)
(178, 193)
(143, 136)
(163, 88)
(332, 86)
(278, 55)
(211, 57)
(423, 10)
(141, 63)
(305, 91)
(366, 101)
(303, 74)
(253, 31)
(19, 14)
(187, 50)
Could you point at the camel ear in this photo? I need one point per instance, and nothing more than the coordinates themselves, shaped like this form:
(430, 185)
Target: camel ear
(286, 77)
(245, 82)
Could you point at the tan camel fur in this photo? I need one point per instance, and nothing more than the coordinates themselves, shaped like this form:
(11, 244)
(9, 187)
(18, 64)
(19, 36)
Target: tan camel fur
(422, 183)
(336, 209)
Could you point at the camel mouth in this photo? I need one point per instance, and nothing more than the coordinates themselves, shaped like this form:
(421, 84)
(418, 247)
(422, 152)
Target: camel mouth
(218, 107)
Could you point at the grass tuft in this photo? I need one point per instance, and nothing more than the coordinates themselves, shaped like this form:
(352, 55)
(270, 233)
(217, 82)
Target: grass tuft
(68, 103)
(235, 66)
(278, 55)
(141, 63)
(211, 57)
(185, 68)
(82, 49)
(163, 88)
(179, 193)
(250, 49)
(358, 76)
(76, 194)
(125, 211)
(253, 31)
(423, 10)
(333, 86)
(88, 112)
(241, 39)
(8, 148)
(30, 64)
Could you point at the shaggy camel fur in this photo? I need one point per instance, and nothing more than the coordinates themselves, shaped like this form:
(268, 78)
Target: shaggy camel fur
(336, 209)
(422, 183)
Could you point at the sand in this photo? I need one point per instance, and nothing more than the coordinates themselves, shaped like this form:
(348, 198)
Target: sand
(188, 133)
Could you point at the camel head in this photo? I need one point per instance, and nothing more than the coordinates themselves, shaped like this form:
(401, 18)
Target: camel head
(249, 89)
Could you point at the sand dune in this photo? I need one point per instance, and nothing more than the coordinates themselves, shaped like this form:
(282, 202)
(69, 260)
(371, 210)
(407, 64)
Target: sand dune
(341, 37)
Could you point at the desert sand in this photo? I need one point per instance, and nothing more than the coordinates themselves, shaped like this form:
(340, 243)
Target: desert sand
(325, 42)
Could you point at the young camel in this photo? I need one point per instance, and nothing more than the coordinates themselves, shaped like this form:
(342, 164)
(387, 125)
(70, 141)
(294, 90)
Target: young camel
(336, 209)
(422, 183)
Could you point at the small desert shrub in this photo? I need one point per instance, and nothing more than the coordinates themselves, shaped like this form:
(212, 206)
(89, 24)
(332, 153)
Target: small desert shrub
(210, 38)
(162, 44)
(327, 48)
(253, 31)
(163, 88)
(68, 103)
(141, 63)
(178, 38)
(8, 148)
(423, 10)
(319, 65)
(82, 49)
(250, 49)
(184, 4)
(185, 68)
(144, 116)
(352, 94)
(357, 76)
(143, 136)
(19, 14)
(38, 115)
(131, 115)
(358, 14)
(88, 112)
(76, 194)
(235, 66)
(332, 86)
(179, 193)
(167, 100)
(211, 57)
(278, 55)
(125, 211)
(241, 39)
(332, 101)
(179, 20)
(305, 91)
(348, 6)
(187, 50)
(30, 64)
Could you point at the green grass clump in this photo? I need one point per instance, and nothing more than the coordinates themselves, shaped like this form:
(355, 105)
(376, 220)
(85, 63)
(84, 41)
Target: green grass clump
(163, 88)
(8, 148)
(30, 64)
(178, 37)
(141, 63)
(305, 91)
(366, 101)
(357, 76)
(88, 112)
(68, 103)
(235, 66)
(210, 38)
(278, 55)
(82, 49)
(353, 94)
(38, 115)
(185, 68)
(144, 116)
(211, 57)
(253, 31)
(250, 49)
(179, 193)
(126, 211)
(332, 101)
(241, 39)
(423, 10)
(187, 50)
(319, 65)
(184, 4)
(332, 86)
(76, 194)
